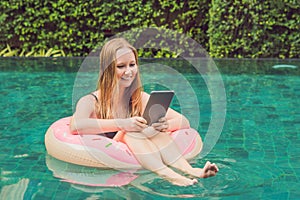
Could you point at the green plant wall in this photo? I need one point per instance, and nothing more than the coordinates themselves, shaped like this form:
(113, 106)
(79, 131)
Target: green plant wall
(254, 29)
(244, 28)
(76, 27)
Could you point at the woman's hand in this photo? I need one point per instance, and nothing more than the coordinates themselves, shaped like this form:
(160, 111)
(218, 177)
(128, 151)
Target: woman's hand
(209, 169)
(133, 124)
(156, 128)
(162, 125)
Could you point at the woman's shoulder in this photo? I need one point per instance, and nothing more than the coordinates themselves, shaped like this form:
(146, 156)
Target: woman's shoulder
(145, 93)
(91, 97)
(145, 96)
(85, 107)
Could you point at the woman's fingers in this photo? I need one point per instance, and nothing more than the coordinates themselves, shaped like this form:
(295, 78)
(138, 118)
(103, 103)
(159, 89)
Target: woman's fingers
(215, 167)
(212, 173)
(156, 125)
(206, 166)
(161, 125)
(209, 169)
(140, 122)
(162, 120)
(132, 124)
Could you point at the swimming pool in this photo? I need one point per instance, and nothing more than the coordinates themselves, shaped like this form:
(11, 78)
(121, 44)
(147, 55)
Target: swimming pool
(258, 152)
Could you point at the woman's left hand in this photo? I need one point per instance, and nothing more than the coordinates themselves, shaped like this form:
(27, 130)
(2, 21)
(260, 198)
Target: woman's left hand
(209, 169)
(162, 125)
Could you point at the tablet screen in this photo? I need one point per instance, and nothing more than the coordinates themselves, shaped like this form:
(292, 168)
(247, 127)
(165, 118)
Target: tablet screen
(157, 105)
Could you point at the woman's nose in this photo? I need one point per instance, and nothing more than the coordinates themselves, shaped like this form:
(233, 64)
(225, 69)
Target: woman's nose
(127, 71)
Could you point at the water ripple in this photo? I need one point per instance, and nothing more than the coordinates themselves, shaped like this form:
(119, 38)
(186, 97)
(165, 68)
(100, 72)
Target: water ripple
(234, 179)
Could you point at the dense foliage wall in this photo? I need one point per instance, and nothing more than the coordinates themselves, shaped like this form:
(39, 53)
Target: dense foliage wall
(255, 28)
(235, 28)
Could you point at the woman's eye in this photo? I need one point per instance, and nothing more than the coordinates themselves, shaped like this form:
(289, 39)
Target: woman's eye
(132, 65)
(120, 66)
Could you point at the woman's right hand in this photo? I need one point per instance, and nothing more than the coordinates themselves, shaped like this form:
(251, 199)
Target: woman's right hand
(133, 124)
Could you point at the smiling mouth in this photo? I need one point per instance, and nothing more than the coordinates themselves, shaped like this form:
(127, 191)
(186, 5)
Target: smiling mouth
(126, 78)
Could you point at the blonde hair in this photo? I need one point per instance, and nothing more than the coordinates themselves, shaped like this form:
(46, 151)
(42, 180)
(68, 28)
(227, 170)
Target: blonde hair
(108, 88)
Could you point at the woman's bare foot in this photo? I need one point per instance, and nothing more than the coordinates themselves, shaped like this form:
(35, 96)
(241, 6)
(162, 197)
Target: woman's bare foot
(175, 178)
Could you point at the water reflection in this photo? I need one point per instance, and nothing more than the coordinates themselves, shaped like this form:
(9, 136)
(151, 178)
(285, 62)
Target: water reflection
(228, 182)
(88, 176)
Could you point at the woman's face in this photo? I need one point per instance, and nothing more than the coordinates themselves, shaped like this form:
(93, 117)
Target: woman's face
(126, 67)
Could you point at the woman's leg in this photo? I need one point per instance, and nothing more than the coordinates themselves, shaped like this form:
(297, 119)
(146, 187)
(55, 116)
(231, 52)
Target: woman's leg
(171, 156)
(150, 158)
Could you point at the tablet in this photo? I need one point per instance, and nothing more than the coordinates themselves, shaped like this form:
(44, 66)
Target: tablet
(157, 105)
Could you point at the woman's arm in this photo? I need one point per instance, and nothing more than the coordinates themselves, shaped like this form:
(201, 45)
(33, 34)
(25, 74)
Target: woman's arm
(93, 126)
(176, 120)
(83, 123)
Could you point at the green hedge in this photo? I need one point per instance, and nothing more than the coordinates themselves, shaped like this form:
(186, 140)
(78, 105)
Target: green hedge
(224, 28)
(77, 26)
(254, 29)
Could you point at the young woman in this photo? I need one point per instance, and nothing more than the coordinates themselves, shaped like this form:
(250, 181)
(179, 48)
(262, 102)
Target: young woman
(115, 111)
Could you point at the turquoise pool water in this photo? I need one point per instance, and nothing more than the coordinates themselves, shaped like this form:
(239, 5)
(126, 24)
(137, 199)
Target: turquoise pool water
(258, 152)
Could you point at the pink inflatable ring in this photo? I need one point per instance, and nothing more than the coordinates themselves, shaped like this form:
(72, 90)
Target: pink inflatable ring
(103, 152)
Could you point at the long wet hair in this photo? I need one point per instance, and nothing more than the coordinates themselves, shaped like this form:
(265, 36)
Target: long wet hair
(108, 86)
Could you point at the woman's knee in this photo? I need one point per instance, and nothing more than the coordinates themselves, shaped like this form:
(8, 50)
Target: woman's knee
(140, 144)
